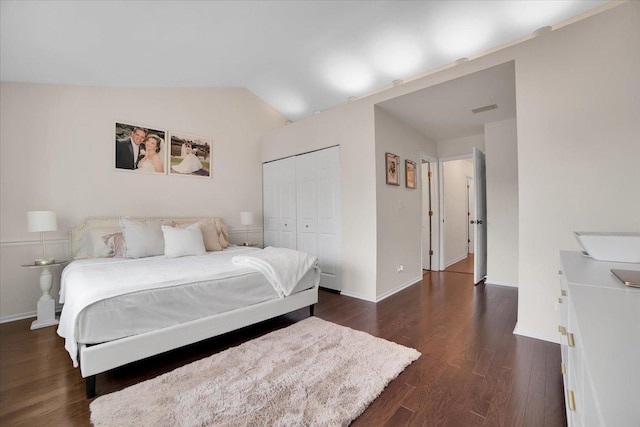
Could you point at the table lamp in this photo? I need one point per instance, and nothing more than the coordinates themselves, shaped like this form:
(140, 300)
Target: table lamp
(41, 221)
(246, 219)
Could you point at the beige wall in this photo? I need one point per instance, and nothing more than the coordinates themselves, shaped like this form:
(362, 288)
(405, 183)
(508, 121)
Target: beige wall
(398, 207)
(500, 139)
(57, 145)
(577, 104)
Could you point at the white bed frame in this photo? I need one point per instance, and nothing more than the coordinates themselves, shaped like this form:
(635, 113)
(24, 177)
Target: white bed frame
(95, 359)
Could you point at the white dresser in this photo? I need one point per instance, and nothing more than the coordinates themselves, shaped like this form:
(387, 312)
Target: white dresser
(600, 327)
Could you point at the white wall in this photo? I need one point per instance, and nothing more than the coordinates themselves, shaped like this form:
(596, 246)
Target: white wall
(460, 146)
(455, 173)
(57, 145)
(398, 207)
(577, 103)
(501, 151)
(578, 149)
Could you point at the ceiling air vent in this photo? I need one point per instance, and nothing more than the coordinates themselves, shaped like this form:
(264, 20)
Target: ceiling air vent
(485, 108)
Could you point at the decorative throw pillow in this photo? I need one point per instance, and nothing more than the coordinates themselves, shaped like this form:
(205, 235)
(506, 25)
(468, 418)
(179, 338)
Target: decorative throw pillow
(182, 241)
(115, 244)
(223, 232)
(97, 247)
(142, 238)
(210, 236)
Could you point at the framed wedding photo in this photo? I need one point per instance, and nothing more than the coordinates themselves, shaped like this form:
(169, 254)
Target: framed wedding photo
(391, 166)
(189, 155)
(139, 149)
(410, 173)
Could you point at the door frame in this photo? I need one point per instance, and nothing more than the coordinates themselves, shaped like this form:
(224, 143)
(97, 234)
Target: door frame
(435, 201)
(441, 162)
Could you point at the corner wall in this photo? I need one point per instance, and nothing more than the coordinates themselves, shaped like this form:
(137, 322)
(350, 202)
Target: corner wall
(398, 207)
(578, 103)
(500, 139)
(352, 127)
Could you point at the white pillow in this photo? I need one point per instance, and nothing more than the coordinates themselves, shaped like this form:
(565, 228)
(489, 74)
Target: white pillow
(182, 241)
(142, 238)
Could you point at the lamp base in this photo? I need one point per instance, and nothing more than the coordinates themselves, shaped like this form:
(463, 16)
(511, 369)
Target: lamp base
(44, 261)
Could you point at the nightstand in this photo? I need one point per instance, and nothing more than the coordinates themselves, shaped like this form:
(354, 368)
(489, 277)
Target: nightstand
(46, 304)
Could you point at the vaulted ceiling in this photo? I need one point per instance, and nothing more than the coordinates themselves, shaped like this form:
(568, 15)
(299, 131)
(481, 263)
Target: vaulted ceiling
(300, 56)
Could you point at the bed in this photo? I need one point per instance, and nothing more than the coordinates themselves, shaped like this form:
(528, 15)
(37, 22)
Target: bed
(118, 310)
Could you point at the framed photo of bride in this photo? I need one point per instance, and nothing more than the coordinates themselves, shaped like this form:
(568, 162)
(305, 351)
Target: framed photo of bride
(189, 155)
(140, 148)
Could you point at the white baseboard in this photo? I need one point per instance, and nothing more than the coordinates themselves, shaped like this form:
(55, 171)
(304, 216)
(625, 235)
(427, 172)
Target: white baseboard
(398, 288)
(496, 282)
(553, 337)
(460, 258)
(384, 295)
(14, 317)
(28, 315)
(356, 295)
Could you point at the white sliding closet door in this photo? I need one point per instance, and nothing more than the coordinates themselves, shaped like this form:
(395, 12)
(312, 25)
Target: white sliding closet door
(303, 192)
(279, 203)
(307, 202)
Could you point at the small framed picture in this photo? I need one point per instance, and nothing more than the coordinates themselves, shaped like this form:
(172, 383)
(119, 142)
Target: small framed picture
(189, 155)
(410, 173)
(139, 148)
(391, 166)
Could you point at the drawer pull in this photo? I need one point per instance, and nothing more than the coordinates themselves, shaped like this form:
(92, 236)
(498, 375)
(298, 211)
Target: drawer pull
(572, 343)
(564, 293)
(572, 401)
(563, 368)
(562, 330)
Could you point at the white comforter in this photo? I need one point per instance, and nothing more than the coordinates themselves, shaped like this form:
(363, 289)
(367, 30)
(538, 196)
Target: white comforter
(88, 281)
(282, 267)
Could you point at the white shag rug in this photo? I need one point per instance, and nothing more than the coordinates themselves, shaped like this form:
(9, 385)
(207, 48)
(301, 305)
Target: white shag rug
(312, 373)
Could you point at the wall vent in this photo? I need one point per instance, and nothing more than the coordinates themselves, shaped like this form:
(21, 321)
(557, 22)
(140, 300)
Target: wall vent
(485, 108)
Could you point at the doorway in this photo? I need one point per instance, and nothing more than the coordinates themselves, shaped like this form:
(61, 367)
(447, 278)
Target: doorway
(466, 265)
(463, 225)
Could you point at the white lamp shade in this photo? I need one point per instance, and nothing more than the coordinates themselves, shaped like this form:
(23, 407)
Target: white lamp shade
(41, 221)
(246, 218)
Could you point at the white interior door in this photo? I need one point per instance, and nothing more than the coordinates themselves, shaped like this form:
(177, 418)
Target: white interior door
(480, 221)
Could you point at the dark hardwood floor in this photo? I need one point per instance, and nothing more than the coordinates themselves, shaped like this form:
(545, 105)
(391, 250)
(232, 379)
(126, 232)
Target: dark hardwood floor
(473, 370)
(462, 266)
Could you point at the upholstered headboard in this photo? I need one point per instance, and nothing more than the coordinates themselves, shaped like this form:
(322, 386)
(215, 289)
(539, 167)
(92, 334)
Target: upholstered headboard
(79, 236)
